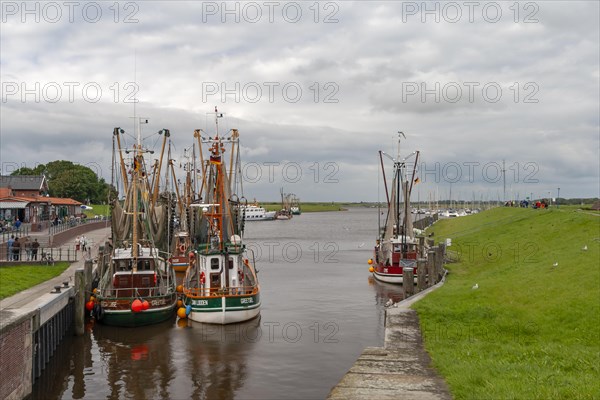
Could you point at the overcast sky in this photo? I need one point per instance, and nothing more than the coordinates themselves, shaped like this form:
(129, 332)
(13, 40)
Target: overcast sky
(316, 89)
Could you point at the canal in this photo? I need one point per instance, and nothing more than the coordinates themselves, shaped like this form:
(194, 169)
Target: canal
(320, 309)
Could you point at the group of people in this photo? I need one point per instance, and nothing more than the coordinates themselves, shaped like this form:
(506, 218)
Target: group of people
(8, 226)
(81, 243)
(14, 248)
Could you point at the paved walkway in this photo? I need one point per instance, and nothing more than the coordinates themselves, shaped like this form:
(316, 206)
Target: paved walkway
(399, 370)
(96, 238)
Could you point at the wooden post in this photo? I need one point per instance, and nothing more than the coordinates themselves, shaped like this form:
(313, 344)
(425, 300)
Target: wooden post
(421, 245)
(439, 262)
(79, 301)
(408, 282)
(430, 242)
(87, 268)
(421, 274)
(431, 275)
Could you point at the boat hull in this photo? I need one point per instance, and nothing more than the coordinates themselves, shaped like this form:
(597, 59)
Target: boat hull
(117, 311)
(397, 279)
(224, 310)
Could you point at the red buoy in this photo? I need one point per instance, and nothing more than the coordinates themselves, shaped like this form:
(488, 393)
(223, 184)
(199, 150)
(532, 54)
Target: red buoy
(145, 305)
(136, 306)
(89, 305)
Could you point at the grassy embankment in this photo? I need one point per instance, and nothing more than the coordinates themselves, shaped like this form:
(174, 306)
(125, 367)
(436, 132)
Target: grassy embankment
(14, 279)
(98, 209)
(532, 328)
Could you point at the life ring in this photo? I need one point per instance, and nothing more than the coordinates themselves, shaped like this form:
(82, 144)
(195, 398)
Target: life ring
(202, 277)
(182, 248)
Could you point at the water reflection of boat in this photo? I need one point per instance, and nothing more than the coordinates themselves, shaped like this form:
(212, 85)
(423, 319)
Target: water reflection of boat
(396, 246)
(221, 285)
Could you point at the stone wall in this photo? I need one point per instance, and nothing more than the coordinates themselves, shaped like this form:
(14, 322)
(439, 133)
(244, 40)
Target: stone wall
(16, 354)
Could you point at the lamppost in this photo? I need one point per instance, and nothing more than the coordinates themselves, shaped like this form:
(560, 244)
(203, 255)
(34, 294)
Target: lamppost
(557, 196)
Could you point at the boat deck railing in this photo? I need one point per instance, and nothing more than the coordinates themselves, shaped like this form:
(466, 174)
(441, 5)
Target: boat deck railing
(230, 291)
(154, 291)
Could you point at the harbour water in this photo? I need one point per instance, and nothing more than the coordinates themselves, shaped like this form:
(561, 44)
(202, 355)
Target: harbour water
(320, 309)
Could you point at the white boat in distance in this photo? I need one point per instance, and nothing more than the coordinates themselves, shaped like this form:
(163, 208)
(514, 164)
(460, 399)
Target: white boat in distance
(254, 212)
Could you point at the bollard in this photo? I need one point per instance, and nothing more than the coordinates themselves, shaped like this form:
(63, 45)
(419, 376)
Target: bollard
(421, 274)
(431, 276)
(439, 262)
(421, 246)
(87, 268)
(408, 283)
(79, 302)
(430, 242)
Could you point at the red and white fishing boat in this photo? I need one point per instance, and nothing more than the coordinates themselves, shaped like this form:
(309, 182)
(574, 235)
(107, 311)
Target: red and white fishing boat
(396, 247)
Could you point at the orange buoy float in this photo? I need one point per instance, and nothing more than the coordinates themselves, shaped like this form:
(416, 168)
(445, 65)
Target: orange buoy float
(179, 303)
(371, 269)
(181, 313)
(370, 261)
(179, 288)
(136, 306)
(145, 305)
(92, 298)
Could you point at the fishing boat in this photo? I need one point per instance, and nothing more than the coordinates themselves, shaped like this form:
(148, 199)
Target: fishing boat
(286, 211)
(295, 205)
(221, 284)
(254, 212)
(137, 286)
(396, 247)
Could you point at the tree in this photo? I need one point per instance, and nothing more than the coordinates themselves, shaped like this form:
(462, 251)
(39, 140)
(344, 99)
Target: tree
(66, 179)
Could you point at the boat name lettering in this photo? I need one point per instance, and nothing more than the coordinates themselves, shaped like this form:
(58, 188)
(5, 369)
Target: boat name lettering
(200, 302)
(109, 304)
(385, 270)
(247, 300)
(158, 302)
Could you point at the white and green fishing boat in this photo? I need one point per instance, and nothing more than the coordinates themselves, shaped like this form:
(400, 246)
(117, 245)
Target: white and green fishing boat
(221, 284)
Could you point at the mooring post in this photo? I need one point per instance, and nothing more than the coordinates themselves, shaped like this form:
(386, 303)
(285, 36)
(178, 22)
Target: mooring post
(430, 242)
(87, 268)
(421, 274)
(408, 282)
(439, 261)
(79, 301)
(421, 245)
(431, 275)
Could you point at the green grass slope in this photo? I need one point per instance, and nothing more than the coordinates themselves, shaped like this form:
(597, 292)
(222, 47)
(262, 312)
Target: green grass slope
(14, 279)
(532, 328)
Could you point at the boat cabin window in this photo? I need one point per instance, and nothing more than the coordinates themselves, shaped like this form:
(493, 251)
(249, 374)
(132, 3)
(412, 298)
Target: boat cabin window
(214, 263)
(230, 262)
(122, 265)
(215, 281)
(144, 265)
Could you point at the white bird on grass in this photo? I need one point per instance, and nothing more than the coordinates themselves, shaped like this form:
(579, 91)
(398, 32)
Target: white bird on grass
(555, 264)
(475, 286)
(584, 248)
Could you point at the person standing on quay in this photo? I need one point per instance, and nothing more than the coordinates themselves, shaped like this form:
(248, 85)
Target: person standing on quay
(77, 243)
(16, 248)
(34, 249)
(9, 244)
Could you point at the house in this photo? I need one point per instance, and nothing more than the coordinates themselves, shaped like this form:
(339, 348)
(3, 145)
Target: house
(25, 185)
(25, 197)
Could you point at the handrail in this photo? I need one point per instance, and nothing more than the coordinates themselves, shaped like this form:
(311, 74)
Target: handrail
(231, 291)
